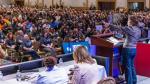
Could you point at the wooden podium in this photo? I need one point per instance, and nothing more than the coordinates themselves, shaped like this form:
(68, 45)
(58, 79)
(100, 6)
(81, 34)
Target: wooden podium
(106, 49)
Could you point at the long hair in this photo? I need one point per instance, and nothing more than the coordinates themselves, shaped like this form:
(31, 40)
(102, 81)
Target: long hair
(81, 55)
(9, 36)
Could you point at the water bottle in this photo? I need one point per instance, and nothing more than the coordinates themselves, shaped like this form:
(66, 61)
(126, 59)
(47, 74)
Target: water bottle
(1, 75)
(18, 75)
(60, 61)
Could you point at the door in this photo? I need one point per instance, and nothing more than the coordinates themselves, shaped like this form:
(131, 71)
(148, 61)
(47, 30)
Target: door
(19, 3)
(136, 5)
(106, 5)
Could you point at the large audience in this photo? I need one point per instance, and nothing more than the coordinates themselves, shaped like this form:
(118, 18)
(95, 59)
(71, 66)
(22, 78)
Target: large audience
(32, 33)
(29, 31)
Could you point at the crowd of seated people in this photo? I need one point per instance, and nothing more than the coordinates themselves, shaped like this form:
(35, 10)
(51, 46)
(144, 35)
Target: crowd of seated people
(30, 31)
(21, 28)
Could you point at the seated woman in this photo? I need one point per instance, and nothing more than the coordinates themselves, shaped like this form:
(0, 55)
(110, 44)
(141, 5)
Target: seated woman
(28, 48)
(86, 71)
(47, 45)
(10, 47)
(19, 39)
(10, 41)
(53, 74)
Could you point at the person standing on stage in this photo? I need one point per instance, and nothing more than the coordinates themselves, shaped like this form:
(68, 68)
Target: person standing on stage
(132, 35)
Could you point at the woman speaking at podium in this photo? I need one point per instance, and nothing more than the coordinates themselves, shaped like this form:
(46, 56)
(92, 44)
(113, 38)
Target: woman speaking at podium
(132, 35)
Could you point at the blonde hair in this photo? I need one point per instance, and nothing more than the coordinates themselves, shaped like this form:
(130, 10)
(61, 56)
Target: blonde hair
(81, 55)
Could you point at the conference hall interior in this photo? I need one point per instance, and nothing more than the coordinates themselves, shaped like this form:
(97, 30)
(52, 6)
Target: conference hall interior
(74, 41)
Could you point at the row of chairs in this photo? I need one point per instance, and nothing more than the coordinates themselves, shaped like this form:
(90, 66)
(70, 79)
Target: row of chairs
(19, 56)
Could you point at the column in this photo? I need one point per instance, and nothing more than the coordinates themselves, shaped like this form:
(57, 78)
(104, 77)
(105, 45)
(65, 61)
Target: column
(28, 2)
(87, 4)
(147, 3)
(52, 3)
(37, 3)
(43, 3)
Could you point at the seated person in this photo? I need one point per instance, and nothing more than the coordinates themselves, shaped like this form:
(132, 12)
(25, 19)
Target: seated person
(2, 37)
(86, 71)
(19, 39)
(10, 41)
(28, 48)
(47, 45)
(2, 52)
(57, 43)
(11, 46)
(103, 32)
(53, 74)
(106, 30)
(19, 36)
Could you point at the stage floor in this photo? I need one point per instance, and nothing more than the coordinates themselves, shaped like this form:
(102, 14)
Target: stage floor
(143, 80)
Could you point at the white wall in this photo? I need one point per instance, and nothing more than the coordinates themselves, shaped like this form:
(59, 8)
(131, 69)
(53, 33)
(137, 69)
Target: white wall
(25, 2)
(67, 3)
(121, 3)
(79, 3)
(92, 2)
(31, 2)
(56, 2)
(147, 3)
(48, 3)
(34, 2)
(5, 2)
(76, 3)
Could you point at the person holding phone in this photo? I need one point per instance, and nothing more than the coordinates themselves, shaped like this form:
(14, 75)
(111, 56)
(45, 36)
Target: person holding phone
(132, 35)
